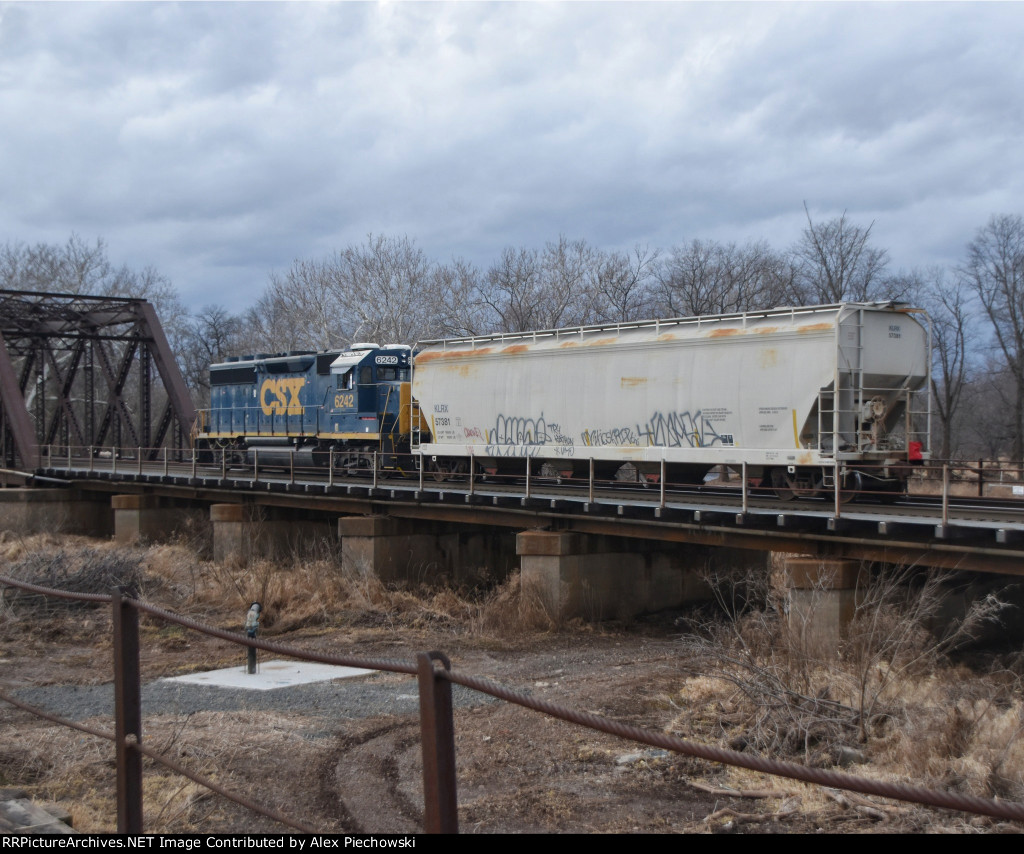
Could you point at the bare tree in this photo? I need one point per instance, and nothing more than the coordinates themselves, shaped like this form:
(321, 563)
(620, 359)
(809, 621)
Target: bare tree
(386, 287)
(459, 308)
(995, 270)
(213, 335)
(707, 277)
(80, 267)
(296, 311)
(950, 314)
(835, 263)
(623, 283)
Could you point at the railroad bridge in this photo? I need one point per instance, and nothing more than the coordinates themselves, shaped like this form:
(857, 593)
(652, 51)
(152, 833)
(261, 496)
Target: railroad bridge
(96, 420)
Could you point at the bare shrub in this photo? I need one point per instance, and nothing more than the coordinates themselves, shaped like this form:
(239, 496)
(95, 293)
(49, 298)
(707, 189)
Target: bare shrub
(888, 686)
(511, 611)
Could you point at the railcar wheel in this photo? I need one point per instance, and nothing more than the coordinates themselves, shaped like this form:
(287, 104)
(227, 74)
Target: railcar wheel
(852, 486)
(448, 469)
(782, 483)
(355, 465)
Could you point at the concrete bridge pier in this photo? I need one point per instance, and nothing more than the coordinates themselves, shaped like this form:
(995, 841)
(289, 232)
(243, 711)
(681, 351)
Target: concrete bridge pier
(823, 594)
(415, 551)
(602, 577)
(242, 532)
(65, 511)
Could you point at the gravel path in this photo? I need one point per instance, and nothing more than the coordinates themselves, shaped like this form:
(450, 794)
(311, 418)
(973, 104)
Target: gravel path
(358, 698)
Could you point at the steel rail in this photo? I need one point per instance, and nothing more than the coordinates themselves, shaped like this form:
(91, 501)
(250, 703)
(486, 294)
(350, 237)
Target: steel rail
(969, 507)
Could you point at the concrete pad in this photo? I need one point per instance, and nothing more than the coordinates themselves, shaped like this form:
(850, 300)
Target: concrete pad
(270, 675)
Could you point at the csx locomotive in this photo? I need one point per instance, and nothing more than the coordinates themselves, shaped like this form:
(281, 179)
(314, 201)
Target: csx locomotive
(350, 407)
(798, 395)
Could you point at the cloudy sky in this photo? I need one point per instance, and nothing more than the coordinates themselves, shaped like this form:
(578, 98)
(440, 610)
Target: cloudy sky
(220, 141)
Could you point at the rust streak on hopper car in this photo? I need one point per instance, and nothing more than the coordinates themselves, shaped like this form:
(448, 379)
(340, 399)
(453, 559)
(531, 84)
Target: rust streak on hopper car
(515, 348)
(723, 333)
(815, 327)
(461, 370)
(632, 382)
(423, 358)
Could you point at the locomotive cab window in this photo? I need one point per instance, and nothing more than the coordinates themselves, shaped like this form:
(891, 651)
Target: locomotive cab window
(392, 374)
(345, 379)
(365, 375)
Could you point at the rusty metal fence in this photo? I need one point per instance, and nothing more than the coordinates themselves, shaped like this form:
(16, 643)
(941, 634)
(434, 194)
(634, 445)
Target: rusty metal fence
(437, 727)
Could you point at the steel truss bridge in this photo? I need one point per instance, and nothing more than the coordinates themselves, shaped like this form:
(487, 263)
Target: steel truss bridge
(86, 370)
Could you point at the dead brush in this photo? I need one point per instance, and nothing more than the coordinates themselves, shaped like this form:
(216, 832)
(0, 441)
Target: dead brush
(510, 611)
(888, 686)
(53, 763)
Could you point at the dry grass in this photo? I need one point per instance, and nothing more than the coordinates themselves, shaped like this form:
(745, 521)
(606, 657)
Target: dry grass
(302, 597)
(890, 695)
(890, 698)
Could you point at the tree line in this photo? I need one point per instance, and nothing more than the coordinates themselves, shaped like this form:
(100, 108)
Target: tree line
(388, 290)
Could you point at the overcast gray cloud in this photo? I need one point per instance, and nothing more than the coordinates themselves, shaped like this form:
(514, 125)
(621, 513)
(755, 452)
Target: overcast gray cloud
(220, 141)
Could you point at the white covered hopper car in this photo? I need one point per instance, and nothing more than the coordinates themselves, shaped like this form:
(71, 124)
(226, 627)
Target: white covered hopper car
(797, 394)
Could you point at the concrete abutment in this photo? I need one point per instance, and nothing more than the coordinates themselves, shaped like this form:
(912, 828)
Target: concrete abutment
(56, 511)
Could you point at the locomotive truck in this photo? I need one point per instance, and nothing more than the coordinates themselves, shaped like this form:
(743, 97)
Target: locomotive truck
(799, 395)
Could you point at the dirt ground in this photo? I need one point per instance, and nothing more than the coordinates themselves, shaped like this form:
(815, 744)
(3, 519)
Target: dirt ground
(518, 771)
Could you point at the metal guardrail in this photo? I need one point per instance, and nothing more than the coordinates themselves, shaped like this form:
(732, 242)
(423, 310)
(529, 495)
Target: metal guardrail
(134, 461)
(435, 678)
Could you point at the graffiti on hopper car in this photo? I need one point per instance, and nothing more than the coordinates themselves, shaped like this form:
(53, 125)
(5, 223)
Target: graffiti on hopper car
(678, 430)
(664, 430)
(518, 431)
(511, 451)
(619, 437)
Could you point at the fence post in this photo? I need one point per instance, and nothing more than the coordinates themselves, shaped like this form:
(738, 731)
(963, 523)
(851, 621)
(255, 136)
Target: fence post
(437, 735)
(127, 711)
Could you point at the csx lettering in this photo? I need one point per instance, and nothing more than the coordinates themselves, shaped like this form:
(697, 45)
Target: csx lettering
(279, 397)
